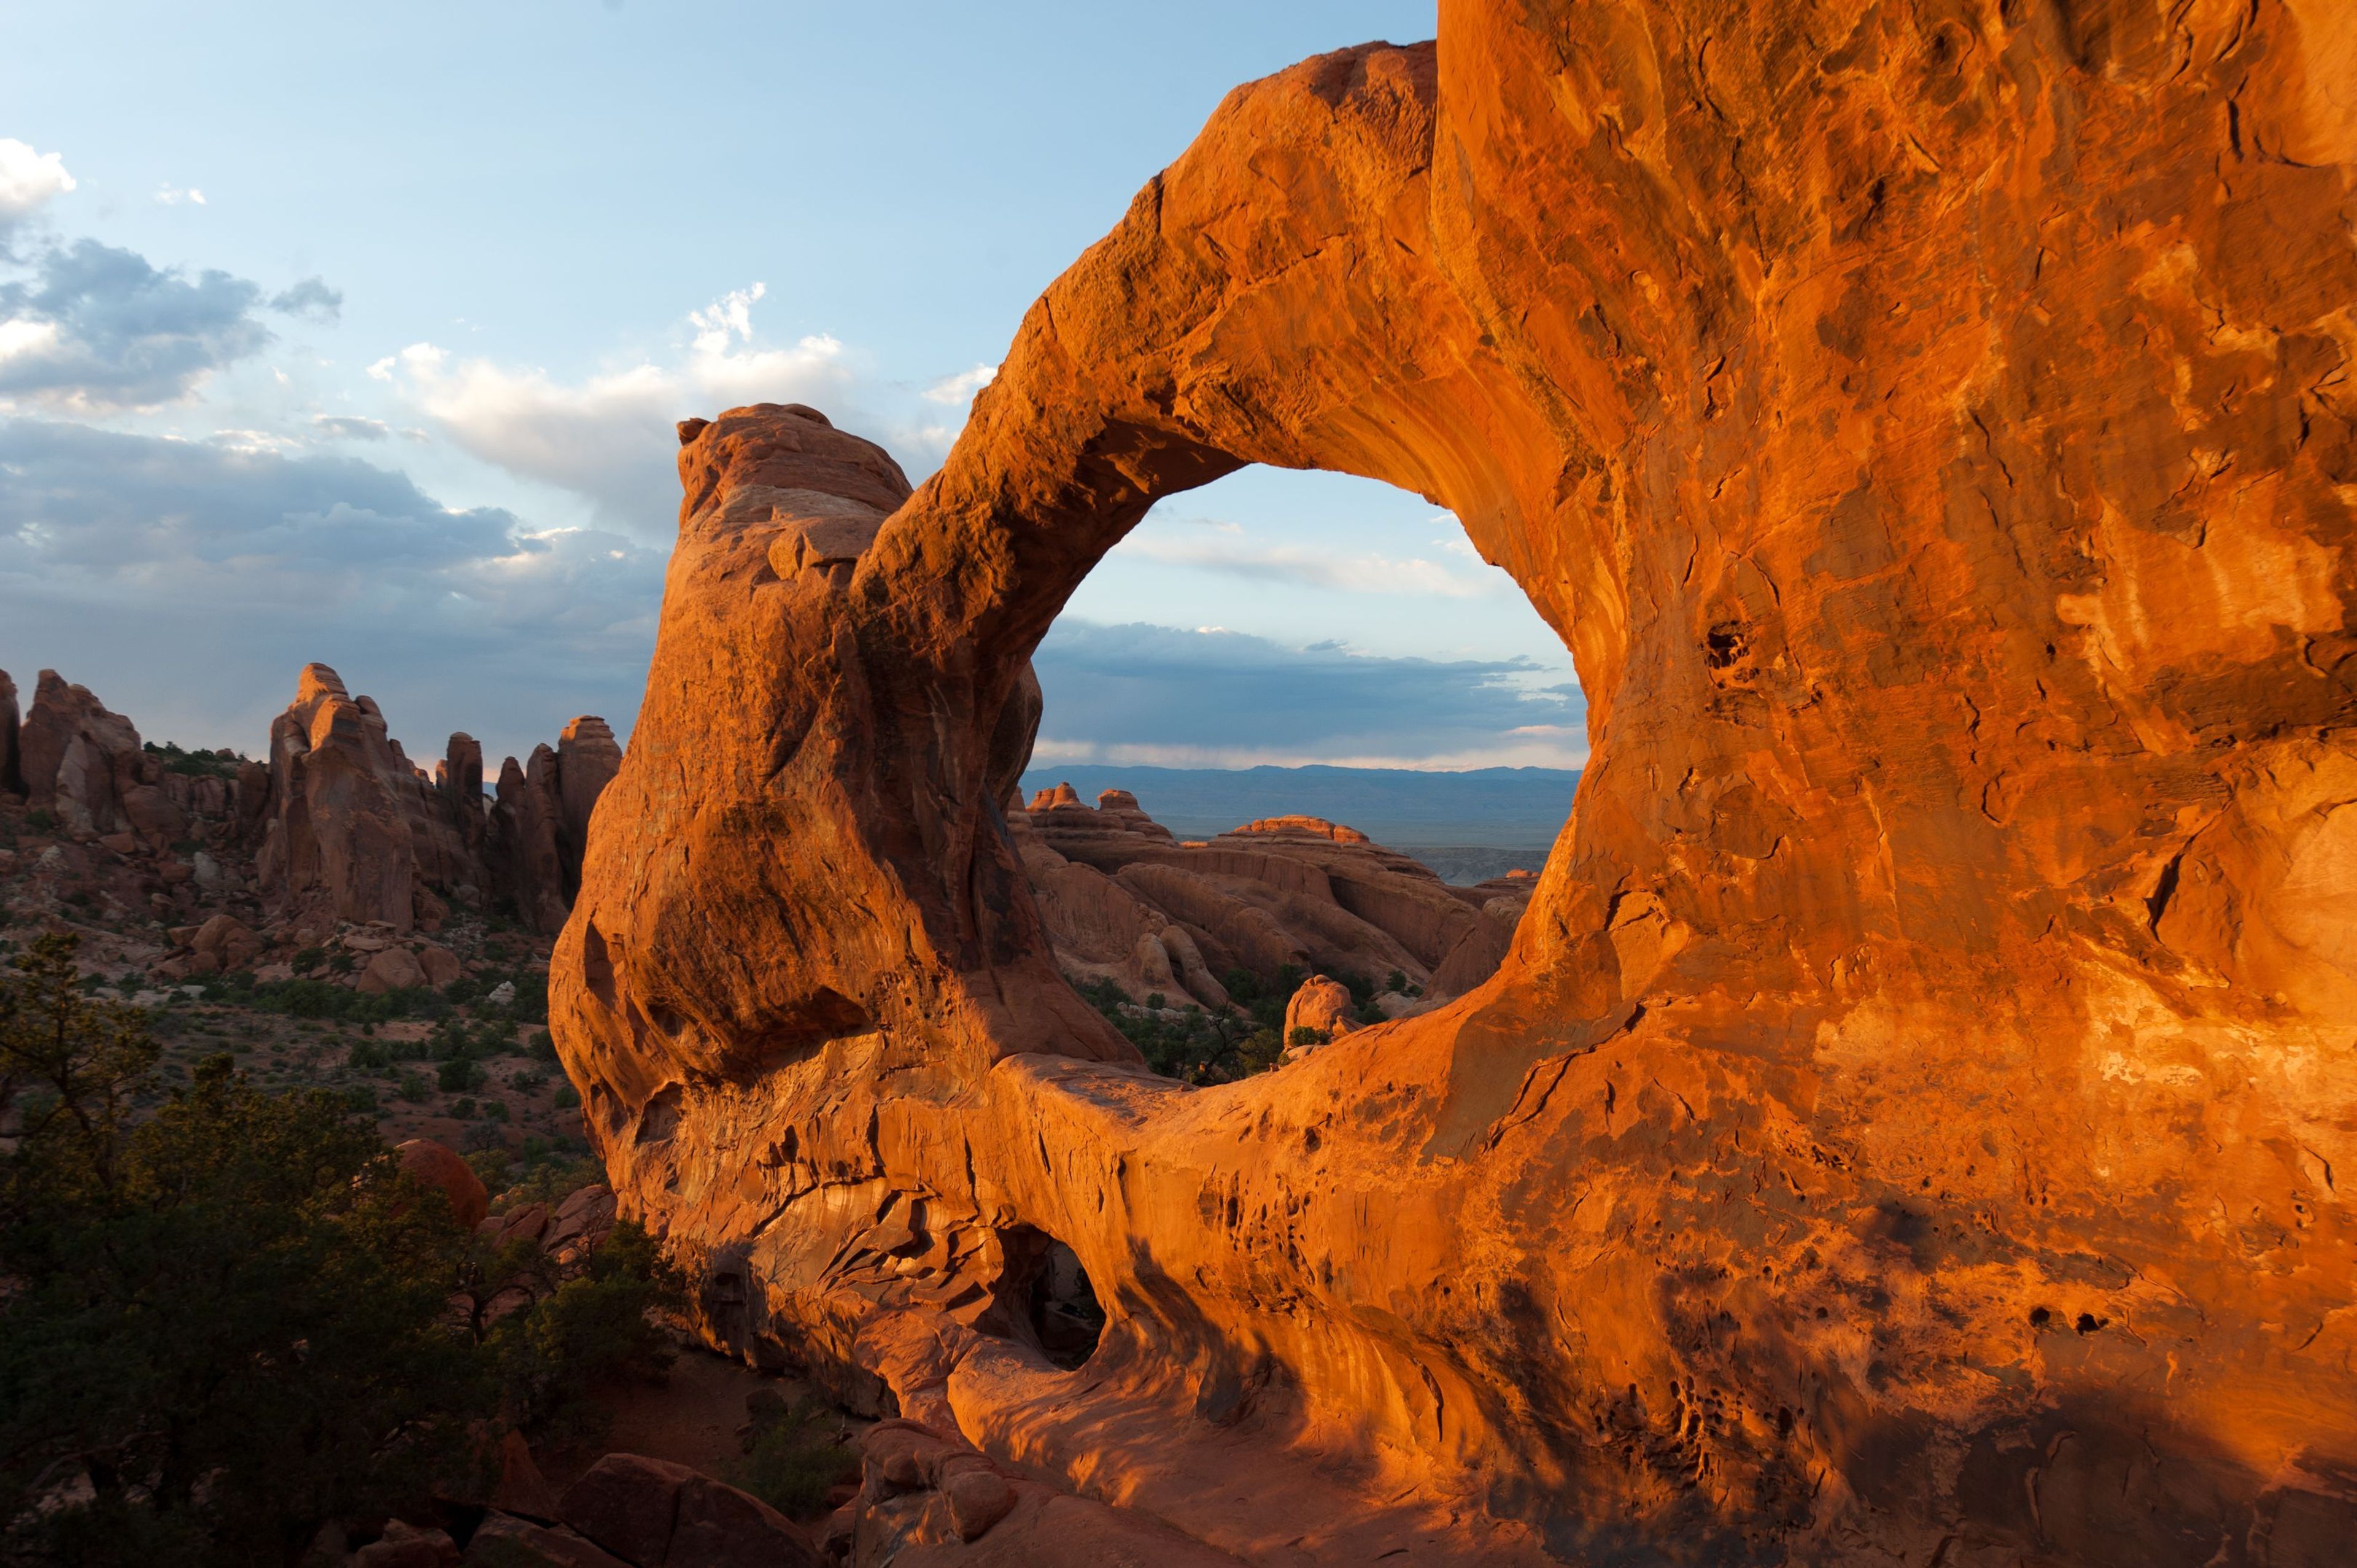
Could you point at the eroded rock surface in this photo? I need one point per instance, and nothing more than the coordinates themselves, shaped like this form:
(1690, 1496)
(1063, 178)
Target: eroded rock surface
(1125, 900)
(349, 829)
(1911, 1120)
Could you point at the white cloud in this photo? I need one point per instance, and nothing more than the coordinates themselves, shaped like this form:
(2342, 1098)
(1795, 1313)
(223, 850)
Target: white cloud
(28, 180)
(100, 328)
(131, 560)
(961, 388)
(729, 316)
(1351, 574)
(168, 195)
(608, 437)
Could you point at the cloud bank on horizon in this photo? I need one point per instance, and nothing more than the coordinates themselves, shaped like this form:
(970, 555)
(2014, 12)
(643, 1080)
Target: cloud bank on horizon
(205, 484)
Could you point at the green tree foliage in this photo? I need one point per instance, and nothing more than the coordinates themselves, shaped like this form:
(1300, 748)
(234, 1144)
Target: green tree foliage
(596, 1327)
(793, 1457)
(1196, 1046)
(225, 1320)
(228, 1319)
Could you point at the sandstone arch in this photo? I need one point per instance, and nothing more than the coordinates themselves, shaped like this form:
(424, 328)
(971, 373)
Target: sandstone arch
(1915, 1115)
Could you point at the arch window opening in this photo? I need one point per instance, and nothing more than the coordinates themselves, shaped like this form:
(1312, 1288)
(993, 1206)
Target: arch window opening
(1047, 1300)
(1301, 757)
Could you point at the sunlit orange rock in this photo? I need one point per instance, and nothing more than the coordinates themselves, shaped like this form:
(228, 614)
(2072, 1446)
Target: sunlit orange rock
(1912, 1121)
(1321, 1005)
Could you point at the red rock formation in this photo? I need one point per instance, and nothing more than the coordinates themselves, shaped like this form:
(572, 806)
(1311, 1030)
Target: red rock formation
(1319, 1005)
(1906, 1126)
(78, 759)
(528, 850)
(1318, 826)
(541, 823)
(11, 773)
(586, 760)
(340, 838)
(436, 1165)
(349, 829)
(1297, 891)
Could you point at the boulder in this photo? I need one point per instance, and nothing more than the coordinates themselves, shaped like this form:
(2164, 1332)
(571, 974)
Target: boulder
(1322, 1005)
(394, 969)
(437, 1166)
(404, 1545)
(228, 939)
(978, 1497)
(657, 1514)
(581, 1222)
(440, 965)
(522, 1490)
(504, 1541)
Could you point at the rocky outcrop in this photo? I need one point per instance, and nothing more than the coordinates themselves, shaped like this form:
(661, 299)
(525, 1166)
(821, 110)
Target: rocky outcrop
(11, 773)
(541, 821)
(1322, 1006)
(349, 829)
(528, 852)
(1114, 886)
(1911, 1122)
(342, 839)
(80, 761)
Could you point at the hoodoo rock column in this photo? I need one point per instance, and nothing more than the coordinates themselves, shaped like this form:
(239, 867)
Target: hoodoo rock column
(1916, 1118)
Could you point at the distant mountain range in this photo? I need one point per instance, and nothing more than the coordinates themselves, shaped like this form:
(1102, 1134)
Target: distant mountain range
(1456, 822)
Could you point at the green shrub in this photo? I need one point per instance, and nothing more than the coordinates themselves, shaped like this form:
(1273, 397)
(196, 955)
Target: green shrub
(413, 1087)
(200, 763)
(361, 1099)
(495, 1110)
(1303, 1035)
(794, 1463)
(594, 1329)
(568, 1097)
(459, 1074)
(462, 1109)
(1261, 1050)
(224, 1321)
(316, 999)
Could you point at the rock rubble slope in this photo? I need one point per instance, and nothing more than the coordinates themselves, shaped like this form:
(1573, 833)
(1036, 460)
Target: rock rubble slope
(1914, 1119)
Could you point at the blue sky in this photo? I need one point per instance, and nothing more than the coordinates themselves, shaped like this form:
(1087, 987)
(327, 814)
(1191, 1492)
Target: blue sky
(356, 335)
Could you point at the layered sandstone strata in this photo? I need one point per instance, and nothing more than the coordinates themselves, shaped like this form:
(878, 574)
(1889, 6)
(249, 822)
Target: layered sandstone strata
(1125, 900)
(1911, 1121)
